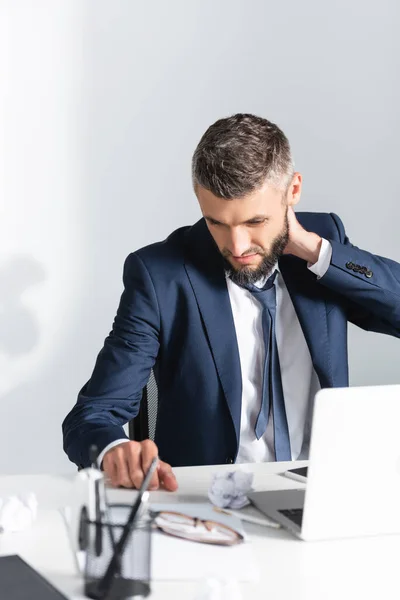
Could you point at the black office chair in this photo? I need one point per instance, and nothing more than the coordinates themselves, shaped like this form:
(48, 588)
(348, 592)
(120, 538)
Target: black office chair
(143, 426)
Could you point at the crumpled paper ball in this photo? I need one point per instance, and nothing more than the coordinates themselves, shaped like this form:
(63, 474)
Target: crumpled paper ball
(230, 489)
(17, 512)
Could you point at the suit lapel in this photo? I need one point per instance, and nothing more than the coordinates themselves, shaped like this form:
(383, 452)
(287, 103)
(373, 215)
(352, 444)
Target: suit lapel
(310, 308)
(204, 267)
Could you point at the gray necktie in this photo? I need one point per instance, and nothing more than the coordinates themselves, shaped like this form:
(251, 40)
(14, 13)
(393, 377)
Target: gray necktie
(272, 391)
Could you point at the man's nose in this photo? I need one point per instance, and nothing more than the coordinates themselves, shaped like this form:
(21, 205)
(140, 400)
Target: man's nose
(238, 242)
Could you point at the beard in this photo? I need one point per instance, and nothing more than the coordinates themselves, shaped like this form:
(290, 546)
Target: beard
(245, 275)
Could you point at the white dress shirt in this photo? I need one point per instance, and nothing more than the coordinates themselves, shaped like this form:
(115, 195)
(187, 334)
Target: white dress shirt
(299, 379)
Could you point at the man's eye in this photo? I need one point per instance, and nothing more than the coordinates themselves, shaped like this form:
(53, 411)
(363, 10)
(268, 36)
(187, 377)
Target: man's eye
(255, 223)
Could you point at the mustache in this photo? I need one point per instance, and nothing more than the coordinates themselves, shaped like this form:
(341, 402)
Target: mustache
(254, 250)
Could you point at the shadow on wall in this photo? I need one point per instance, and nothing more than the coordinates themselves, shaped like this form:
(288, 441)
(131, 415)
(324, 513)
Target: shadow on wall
(19, 332)
(19, 338)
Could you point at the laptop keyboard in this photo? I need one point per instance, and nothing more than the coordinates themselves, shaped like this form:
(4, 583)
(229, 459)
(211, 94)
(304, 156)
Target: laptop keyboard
(294, 514)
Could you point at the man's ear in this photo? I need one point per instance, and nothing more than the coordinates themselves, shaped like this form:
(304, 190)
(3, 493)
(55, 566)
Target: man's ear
(294, 191)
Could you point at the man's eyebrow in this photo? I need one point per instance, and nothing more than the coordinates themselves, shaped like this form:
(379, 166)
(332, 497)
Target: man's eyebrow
(255, 219)
(207, 218)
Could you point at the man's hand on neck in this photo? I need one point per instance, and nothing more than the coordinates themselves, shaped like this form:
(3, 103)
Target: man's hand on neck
(302, 243)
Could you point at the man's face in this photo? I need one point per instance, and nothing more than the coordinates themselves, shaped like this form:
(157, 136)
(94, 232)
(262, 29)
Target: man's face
(251, 232)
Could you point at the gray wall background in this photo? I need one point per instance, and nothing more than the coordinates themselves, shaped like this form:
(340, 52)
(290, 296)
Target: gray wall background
(102, 104)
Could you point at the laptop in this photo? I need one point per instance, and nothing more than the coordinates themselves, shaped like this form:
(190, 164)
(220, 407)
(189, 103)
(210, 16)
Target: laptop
(353, 479)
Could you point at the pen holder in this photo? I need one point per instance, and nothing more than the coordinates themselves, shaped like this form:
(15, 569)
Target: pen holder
(98, 539)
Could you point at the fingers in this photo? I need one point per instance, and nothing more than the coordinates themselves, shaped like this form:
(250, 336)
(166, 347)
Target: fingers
(110, 470)
(116, 465)
(166, 477)
(149, 452)
(291, 213)
(293, 221)
(126, 465)
(134, 462)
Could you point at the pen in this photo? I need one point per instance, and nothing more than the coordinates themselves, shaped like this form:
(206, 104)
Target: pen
(248, 518)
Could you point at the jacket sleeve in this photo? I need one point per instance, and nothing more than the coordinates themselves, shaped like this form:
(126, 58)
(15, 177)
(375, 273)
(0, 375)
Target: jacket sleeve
(112, 395)
(368, 285)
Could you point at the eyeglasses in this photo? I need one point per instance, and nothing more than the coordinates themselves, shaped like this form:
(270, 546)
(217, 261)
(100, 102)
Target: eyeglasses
(195, 529)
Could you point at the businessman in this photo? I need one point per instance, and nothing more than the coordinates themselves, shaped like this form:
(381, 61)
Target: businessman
(242, 316)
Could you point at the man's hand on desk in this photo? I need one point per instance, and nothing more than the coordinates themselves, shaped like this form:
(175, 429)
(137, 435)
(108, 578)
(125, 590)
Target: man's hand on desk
(127, 463)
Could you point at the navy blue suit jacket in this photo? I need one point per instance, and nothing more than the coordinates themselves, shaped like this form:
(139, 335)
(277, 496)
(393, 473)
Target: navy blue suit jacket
(175, 317)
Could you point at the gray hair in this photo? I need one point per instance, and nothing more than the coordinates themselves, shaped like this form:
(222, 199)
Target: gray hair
(236, 155)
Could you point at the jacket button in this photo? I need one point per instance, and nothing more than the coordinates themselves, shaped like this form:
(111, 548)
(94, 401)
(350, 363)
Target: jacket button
(349, 265)
(368, 274)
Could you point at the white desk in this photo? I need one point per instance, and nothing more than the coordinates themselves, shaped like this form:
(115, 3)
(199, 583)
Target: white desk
(290, 569)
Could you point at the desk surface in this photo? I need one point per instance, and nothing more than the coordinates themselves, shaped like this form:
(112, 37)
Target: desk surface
(290, 569)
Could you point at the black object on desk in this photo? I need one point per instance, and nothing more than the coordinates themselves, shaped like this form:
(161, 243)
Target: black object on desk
(299, 474)
(19, 581)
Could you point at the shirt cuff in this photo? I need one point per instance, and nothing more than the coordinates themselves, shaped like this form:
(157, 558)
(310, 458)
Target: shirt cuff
(108, 447)
(324, 260)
